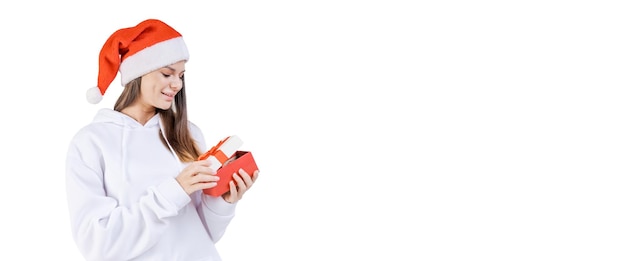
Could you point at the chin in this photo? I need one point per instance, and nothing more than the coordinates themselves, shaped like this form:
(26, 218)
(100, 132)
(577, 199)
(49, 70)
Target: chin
(165, 106)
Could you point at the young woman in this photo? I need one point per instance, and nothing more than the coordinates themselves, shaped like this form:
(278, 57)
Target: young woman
(134, 186)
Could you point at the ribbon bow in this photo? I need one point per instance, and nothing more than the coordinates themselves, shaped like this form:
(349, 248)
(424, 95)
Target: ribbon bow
(216, 152)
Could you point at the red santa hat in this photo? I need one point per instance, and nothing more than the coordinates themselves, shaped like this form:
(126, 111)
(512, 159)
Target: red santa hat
(135, 51)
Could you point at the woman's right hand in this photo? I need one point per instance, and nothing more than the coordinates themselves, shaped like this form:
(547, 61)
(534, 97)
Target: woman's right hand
(196, 176)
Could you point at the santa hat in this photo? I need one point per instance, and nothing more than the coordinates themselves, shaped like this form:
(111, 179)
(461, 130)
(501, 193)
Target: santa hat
(135, 51)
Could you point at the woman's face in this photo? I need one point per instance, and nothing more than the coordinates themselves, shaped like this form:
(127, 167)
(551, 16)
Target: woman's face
(159, 87)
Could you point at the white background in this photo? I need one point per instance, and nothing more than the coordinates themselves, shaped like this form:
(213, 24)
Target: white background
(384, 130)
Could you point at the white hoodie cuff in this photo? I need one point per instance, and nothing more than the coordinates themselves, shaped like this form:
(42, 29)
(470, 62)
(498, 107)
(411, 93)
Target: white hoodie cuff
(218, 205)
(174, 193)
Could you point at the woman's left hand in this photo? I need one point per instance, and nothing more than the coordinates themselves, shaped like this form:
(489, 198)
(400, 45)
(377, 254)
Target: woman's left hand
(239, 185)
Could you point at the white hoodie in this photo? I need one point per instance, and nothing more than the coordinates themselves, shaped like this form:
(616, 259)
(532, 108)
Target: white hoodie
(124, 201)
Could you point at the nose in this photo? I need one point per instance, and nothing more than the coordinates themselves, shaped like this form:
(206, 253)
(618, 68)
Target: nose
(176, 84)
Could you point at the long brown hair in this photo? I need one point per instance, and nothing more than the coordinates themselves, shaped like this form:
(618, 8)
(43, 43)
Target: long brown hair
(174, 120)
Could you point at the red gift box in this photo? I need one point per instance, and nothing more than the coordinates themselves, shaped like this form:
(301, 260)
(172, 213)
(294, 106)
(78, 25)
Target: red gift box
(222, 152)
(240, 160)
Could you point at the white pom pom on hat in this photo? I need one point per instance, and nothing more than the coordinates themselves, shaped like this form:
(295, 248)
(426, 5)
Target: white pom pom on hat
(135, 51)
(94, 95)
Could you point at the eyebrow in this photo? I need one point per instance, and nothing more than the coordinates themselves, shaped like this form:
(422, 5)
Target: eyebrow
(170, 68)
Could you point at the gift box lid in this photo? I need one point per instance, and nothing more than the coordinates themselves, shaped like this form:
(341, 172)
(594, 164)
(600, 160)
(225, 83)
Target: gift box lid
(223, 151)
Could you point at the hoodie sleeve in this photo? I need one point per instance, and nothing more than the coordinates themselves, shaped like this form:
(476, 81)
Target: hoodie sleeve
(101, 228)
(215, 212)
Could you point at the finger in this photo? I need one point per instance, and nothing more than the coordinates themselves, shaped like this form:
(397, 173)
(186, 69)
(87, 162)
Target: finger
(202, 178)
(192, 170)
(233, 191)
(207, 170)
(204, 162)
(240, 183)
(204, 185)
(246, 177)
(191, 188)
(255, 175)
(200, 166)
(199, 169)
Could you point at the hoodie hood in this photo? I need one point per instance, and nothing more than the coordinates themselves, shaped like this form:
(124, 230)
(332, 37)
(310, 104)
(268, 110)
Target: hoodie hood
(121, 119)
(130, 128)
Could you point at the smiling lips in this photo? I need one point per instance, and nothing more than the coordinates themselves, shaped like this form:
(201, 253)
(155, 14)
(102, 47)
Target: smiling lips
(170, 96)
